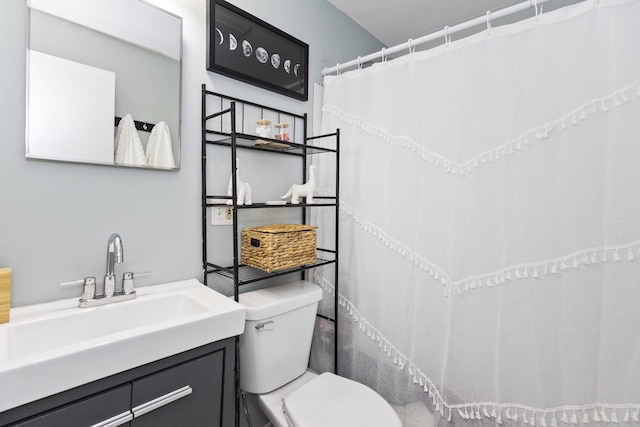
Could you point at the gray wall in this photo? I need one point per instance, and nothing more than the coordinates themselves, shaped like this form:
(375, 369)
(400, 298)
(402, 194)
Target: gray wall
(55, 218)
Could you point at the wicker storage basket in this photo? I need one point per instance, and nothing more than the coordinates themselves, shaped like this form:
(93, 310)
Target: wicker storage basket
(278, 246)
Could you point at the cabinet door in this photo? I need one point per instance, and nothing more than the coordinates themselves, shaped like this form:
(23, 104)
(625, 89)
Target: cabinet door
(190, 394)
(112, 406)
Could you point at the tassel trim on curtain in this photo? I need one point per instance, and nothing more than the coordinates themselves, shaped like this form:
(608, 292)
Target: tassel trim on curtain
(573, 118)
(623, 252)
(499, 412)
(575, 260)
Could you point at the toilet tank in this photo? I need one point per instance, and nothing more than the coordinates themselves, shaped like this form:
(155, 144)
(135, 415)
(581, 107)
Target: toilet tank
(276, 343)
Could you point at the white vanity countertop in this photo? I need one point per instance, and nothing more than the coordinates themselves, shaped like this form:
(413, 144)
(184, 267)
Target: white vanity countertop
(52, 347)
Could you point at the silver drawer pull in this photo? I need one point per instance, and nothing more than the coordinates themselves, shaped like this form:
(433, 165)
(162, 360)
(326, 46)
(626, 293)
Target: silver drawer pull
(266, 326)
(159, 402)
(116, 421)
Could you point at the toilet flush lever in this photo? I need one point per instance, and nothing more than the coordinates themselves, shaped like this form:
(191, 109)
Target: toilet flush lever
(266, 326)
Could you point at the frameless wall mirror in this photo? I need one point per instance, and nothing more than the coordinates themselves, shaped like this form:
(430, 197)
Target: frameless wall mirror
(103, 83)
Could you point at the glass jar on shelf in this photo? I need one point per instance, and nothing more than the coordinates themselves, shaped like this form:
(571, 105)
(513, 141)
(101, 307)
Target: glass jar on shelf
(264, 128)
(281, 132)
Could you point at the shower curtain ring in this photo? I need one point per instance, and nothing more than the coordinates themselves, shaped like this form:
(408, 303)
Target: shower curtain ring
(488, 21)
(447, 39)
(411, 50)
(338, 69)
(359, 63)
(383, 54)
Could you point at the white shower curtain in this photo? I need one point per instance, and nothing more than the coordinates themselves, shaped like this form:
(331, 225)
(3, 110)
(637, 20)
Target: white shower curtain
(490, 222)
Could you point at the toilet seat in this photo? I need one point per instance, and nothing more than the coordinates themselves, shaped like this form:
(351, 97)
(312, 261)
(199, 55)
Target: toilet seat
(331, 400)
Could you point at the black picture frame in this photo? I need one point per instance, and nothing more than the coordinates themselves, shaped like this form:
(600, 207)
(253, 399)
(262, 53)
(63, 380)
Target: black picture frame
(246, 48)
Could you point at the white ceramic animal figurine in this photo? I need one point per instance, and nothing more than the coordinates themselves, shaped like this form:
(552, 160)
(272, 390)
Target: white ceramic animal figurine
(244, 190)
(305, 190)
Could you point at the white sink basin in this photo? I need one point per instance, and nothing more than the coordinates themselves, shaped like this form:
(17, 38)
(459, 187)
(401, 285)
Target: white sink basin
(52, 347)
(41, 334)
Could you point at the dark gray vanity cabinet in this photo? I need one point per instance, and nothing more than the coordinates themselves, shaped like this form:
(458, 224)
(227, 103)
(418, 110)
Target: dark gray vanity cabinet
(113, 404)
(187, 395)
(194, 389)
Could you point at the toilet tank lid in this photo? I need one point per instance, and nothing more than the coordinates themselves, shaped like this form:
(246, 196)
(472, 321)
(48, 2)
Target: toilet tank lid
(268, 302)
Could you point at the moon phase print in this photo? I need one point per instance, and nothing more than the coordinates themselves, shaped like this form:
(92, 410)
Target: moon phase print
(244, 47)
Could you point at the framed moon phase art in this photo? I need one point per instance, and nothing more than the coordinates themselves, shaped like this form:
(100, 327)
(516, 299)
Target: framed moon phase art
(243, 47)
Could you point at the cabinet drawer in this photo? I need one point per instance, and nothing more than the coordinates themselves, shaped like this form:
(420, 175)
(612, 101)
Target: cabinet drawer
(95, 410)
(190, 394)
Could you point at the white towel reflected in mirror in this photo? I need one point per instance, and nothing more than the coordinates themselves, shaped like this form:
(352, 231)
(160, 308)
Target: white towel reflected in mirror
(159, 148)
(128, 147)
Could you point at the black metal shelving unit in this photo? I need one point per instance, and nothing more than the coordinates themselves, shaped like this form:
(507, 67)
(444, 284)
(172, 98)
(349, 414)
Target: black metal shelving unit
(235, 138)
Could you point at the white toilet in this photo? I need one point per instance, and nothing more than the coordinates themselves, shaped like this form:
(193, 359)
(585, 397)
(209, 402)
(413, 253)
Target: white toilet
(274, 354)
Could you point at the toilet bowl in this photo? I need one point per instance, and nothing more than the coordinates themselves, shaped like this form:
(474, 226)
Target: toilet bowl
(274, 354)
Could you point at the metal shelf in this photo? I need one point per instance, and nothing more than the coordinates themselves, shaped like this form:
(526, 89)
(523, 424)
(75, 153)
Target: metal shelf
(269, 206)
(226, 127)
(252, 142)
(247, 275)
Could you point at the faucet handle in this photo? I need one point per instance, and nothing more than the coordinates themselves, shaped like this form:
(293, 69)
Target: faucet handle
(127, 283)
(89, 289)
(109, 286)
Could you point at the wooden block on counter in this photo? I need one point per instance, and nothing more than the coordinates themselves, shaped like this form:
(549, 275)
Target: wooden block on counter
(5, 294)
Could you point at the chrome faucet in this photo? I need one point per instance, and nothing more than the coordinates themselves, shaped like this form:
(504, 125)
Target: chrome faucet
(110, 291)
(115, 255)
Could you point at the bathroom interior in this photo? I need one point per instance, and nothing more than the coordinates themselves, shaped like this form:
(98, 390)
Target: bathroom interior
(486, 214)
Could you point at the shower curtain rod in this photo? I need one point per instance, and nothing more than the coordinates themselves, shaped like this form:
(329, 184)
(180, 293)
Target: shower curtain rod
(446, 33)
